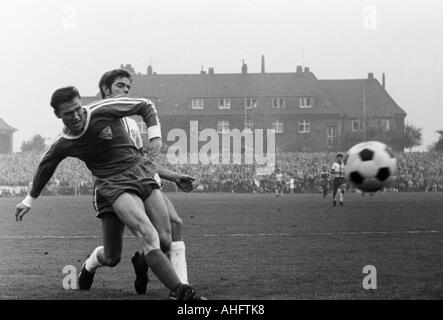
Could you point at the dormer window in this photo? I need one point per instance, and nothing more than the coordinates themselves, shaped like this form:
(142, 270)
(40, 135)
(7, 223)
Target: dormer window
(306, 102)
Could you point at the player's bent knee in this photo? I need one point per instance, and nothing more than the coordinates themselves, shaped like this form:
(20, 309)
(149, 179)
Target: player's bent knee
(178, 221)
(165, 242)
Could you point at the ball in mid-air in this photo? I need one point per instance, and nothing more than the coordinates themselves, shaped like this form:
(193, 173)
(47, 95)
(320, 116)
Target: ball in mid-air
(369, 166)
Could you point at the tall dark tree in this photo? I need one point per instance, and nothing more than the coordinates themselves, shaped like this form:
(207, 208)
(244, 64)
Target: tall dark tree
(35, 144)
(413, 136)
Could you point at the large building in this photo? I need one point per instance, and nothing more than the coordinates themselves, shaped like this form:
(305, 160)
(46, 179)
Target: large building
(6, 132)
(308, 114)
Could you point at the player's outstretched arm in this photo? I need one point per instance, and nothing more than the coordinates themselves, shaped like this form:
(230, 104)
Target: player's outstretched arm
(45, 170)
(183, 181)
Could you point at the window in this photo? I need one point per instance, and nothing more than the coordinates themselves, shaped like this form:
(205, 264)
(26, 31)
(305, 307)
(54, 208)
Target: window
(332, 134)
(224, 103)
(223, 126)
(248, 125)
(250, 103)
(306, 102)
(197, 104)
(384, 124)
(142, 126)
(356, 125)
(304, 126)
(277, 126)
(278, 103)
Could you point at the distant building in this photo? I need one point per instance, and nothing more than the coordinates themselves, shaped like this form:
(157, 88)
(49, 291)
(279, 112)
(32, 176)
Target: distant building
(308, 114)
(6, 132)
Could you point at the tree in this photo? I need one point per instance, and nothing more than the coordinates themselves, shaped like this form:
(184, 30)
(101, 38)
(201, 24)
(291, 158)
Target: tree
(35, 144)
(413, 136)
(438, 146)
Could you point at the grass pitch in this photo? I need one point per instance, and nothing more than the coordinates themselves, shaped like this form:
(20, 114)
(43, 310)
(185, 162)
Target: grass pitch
(241, 246)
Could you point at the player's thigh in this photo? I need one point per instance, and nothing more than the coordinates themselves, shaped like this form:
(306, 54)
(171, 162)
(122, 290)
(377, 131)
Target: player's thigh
(131, 211)
(173, 215)
(112, 230)
(158, 212)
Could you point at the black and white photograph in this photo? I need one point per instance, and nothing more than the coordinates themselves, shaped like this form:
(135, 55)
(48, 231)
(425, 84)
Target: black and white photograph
(221, 150)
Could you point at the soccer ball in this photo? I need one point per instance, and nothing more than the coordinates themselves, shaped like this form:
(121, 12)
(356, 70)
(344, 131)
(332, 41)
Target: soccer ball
(370, 165)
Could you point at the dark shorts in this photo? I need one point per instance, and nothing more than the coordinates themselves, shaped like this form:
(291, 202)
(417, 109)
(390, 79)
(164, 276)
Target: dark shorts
(338, 183)
(101, 205)
(140, 179)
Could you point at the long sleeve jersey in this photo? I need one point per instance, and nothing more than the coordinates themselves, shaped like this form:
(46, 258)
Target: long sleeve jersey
(104, 144)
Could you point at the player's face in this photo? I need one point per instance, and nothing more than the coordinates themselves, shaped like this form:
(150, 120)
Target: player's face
(72, 114)
(339, 159)
(120, 87)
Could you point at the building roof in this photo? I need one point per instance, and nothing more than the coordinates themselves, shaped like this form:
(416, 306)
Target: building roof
(349, 95)
(4, 127)
(171, 92)
(172, 89)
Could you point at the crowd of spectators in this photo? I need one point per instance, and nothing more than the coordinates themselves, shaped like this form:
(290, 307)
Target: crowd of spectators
(301, 173)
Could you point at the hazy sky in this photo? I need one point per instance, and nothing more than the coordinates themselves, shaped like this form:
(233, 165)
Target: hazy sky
(53, 43)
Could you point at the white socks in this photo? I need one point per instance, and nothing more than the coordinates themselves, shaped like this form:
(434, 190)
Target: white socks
(177, 257)
(92, 263)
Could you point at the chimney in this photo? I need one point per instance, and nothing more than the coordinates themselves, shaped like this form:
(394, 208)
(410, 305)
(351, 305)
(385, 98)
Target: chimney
(383, 80)
(299, 69)
(307, 69)
(244, 67)
(211, 71)
(129, 68)
(202, 71)
(370, 76)
(149, 70)
(262, 64)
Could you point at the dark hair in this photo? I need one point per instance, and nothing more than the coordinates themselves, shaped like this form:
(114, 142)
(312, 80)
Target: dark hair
(63, 95)
(109, 77)
(339, 155)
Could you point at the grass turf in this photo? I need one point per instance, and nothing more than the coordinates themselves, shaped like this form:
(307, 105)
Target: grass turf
(241, 246)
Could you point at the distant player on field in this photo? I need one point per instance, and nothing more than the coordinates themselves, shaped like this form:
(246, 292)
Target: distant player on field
(95, 134)
(324, 181)
(278, 183)
(338, 182)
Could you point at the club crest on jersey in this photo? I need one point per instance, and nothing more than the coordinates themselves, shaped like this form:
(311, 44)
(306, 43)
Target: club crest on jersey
(106, 133)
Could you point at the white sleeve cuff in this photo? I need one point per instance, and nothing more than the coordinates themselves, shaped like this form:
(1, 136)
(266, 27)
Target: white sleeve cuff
(28, 201)
(154, 132)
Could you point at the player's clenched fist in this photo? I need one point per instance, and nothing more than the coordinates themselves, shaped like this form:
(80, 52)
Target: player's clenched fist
(185, 182)
(23, 207)
(20, 211)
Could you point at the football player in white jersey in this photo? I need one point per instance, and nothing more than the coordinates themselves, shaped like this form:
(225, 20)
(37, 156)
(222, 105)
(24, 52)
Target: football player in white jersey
(338, 174)
(278, 183)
